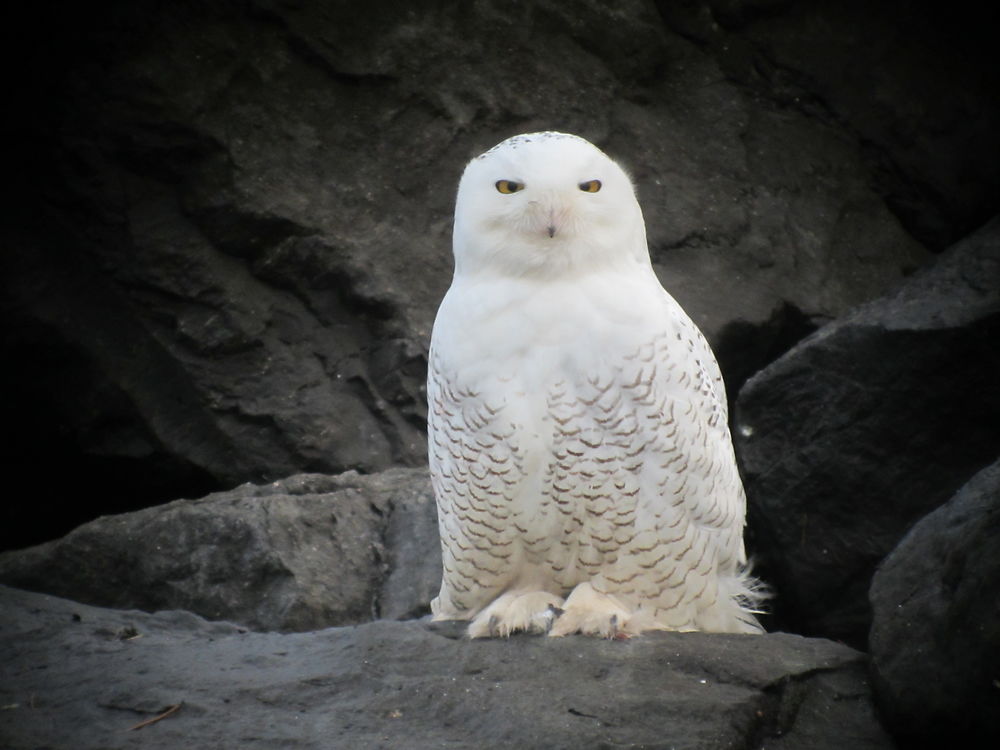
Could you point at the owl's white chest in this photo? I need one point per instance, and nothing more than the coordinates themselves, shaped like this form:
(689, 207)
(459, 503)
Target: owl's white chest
(554, 412)
(534, 335)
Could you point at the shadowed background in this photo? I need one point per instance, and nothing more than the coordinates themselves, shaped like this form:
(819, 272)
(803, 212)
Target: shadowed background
(230, 230)
(231, 226)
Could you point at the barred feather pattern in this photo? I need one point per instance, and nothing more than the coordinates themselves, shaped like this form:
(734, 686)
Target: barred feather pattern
(617, 481)
(578, 433)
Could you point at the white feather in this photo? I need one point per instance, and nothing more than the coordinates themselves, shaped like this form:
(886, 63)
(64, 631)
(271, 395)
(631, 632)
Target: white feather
(577, 417)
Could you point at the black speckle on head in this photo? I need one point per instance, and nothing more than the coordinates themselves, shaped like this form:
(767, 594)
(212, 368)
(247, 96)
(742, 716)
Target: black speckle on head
(520, 140)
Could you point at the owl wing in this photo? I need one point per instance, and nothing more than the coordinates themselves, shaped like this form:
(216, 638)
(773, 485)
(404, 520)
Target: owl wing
(478, 469)
(689, 451)
(642, 474)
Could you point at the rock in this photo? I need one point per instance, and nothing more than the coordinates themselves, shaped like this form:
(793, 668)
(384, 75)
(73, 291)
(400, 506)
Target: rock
(303, 553)
(935, 639)
(232, 229)
(413, 575)
(865, 427)
(909, 82)
(74, 676)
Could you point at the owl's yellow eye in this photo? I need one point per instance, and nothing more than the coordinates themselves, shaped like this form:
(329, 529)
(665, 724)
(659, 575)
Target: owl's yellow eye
(591, 186)
(509, 186)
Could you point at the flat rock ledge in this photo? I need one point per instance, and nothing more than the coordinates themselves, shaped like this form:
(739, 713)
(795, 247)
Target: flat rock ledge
(307, 552)
(77, 676)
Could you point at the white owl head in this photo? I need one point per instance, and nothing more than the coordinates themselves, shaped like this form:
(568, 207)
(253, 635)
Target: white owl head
(548, 205)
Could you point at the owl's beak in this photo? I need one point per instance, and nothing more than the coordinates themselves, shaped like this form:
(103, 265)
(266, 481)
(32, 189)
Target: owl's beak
(551, 214)
(548, 214)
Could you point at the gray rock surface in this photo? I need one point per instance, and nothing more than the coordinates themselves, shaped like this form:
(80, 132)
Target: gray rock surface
(935, 639)
(908, 79)
(231, 227)
(75, 677)
(865, 427)
(302, 553)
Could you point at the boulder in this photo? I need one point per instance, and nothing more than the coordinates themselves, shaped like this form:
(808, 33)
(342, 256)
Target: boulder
(75, 676)
(231, 227)
(935, 638)
(303, 553)
(866, 426)
(910, 81)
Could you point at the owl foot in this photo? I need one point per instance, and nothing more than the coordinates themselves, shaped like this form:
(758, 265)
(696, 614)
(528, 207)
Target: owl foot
(592, 613)
(531, 611)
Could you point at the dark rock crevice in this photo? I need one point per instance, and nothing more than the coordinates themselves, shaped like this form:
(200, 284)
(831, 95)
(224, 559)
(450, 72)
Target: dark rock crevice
(864, 427)
(746, 348)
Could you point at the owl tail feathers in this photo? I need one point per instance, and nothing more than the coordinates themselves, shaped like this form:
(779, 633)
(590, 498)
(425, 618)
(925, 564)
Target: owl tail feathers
(740, 598)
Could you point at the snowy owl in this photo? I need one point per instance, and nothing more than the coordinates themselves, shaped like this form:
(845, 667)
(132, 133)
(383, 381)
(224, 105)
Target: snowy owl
(578, 439)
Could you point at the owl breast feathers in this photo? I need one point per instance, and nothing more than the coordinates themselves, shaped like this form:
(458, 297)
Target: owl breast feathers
(579, 446)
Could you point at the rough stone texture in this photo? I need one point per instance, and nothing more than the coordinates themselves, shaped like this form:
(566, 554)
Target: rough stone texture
(79, 677)
(413, 548)
(907, 79)
(231, 227)
(935, 639)
(306, 552)
(865, 427)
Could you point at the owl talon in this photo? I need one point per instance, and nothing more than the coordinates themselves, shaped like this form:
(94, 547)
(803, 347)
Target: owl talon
(592, 613)
(515, 611)
(614, 632)
(551, 614)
